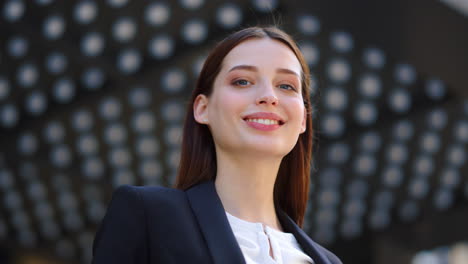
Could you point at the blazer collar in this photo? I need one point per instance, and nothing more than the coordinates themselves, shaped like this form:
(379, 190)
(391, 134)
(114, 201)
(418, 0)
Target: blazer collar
(308, 246)
(218, 234)
(214, 225)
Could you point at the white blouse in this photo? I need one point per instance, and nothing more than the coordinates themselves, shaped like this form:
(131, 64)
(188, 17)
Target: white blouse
(254, 240)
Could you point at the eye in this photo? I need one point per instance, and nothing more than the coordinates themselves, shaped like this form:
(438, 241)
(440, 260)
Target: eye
(241, 82)
(287, 87)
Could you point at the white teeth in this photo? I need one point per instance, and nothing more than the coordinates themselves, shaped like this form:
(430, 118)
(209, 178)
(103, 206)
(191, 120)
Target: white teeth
(263, 121)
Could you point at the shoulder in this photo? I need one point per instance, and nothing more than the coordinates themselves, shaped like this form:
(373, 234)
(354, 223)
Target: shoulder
(129, 221)
(139, 200)
(155, 201)
(150, 194)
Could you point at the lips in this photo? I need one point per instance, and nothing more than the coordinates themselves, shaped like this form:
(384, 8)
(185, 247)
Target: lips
(265, 115)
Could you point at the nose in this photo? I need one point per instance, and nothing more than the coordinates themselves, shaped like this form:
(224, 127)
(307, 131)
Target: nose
(267, 97)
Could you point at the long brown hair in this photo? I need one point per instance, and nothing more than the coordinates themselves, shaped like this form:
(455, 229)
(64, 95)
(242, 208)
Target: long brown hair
(198, 157)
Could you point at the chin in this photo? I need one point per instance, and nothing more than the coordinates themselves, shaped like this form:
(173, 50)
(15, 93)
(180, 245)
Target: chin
(265, 150)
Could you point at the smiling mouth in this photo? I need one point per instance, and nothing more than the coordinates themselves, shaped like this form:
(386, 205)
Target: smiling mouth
(264, 121)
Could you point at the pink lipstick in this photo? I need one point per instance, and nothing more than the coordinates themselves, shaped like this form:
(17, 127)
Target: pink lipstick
(264, 121)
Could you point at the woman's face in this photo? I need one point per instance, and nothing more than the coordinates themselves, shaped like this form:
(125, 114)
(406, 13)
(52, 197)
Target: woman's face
(256, 104)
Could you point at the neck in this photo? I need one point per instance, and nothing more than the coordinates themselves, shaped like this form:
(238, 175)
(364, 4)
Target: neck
(245, 186)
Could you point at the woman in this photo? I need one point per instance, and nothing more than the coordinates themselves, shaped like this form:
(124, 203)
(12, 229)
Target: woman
(243, 180)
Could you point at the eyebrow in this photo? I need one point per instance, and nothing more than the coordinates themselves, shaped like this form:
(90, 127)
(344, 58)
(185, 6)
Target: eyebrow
(255, 69)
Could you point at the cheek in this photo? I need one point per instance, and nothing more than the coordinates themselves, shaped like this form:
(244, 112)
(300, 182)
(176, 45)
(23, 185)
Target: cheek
(296, 114)
(226, 105)
(296, 109)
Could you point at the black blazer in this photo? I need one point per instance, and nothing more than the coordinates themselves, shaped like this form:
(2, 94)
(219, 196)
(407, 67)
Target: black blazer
(163, 225)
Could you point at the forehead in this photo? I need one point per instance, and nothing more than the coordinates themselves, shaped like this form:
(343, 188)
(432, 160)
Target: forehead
(263, 52)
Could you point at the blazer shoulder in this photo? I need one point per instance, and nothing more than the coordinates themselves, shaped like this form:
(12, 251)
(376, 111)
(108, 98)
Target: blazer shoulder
(151, 190)
(155, 193)
(123, 234)
(157, 198)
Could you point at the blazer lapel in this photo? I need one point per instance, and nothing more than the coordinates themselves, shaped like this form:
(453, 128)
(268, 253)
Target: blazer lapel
(214, 225)
(309, 246)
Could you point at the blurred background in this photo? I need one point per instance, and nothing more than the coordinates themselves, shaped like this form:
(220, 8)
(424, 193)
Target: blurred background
(93, 94)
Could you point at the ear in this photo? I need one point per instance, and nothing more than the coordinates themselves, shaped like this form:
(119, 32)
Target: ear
(304, 121)
(200, 109)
